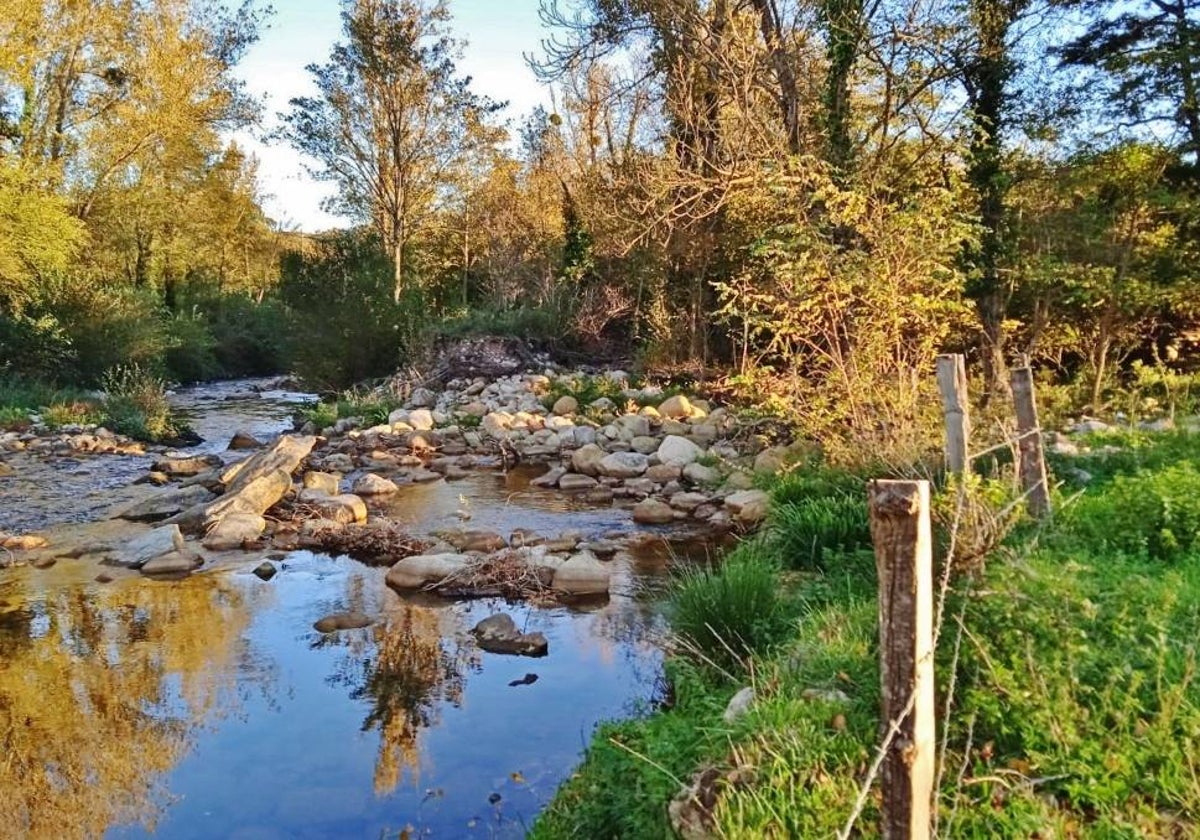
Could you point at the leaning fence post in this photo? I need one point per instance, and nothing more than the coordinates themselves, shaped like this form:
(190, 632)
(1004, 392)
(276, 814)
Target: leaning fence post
(1033, 461)
(952, 382)
(900, 530)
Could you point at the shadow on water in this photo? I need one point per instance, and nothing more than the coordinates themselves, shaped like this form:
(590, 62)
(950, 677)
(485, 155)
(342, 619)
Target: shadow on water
(212, 708)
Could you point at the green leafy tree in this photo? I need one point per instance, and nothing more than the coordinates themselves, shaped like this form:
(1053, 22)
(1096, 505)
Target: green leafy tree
(392, 120)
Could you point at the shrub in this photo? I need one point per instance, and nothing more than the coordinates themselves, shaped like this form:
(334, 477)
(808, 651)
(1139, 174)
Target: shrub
(13, 419)
(321, 414)
(135, 404)
(1153, 514)
(108, 326)
(189, 356)
(726, 613)
(34, 347)
(70, 413)
(346, 325)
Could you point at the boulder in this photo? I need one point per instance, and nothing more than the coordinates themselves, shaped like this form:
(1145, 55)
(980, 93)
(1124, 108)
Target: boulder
(676, 408)
(424, 569)
(186, 467)
(575, 481)
(173, 564)
(748, 506)
(771, 460)
(635, 424)
(285, 454)
(653, 512)
(141, 550)
(688, 501)
(482, 542)
(700, 474)
(166, 504)
(739, 704)
(664, 473)
(624, 465)
(255, 496)
(327, 483)
(587, 459)
(566, 405)
(343, 509)
(499, 634)
(678, 451)
(374, 485)
(243, 440)
(342, 621)
(421, 419)
(550, 478)
(422, 398)
(582, 574)
(230, 532)
(645, 445)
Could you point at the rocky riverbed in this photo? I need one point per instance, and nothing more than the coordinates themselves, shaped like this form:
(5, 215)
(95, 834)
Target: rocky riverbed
(488, 521)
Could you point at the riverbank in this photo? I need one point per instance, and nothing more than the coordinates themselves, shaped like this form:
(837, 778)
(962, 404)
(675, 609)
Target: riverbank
(1071, 692)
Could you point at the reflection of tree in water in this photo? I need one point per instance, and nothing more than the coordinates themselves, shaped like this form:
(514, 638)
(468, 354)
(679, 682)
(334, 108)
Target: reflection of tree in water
(411, 671)
(99, 694)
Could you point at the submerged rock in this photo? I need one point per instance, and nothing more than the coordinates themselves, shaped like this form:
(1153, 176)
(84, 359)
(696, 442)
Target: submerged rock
(167, 504)
(174, 564)
(499, 634)
(342, 621)
(265, 570)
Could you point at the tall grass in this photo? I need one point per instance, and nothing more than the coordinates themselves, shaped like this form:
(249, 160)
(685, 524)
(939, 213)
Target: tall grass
(725, 613)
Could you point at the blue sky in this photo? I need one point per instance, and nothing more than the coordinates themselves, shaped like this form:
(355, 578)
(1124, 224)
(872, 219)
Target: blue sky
(301, 32)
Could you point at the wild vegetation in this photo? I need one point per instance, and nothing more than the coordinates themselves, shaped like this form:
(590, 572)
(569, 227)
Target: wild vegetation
(798, 202)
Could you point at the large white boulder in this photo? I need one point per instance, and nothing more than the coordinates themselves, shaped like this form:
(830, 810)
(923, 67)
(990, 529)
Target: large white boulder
(678, 451)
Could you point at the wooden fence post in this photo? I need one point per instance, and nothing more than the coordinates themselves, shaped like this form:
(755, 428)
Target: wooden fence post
(900, 530)
(1033, 461)
(952, 382)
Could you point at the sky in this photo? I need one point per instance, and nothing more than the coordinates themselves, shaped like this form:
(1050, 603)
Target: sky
(301, 32)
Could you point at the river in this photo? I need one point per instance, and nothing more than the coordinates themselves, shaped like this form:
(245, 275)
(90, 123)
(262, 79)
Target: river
(210, 707)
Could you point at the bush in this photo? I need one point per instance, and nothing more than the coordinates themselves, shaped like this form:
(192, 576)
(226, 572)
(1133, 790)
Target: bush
(34, 347)
(135, 404)
(345, 324)
(725, 614)
(1152, 514)
(13, 419)
(107, 326)
(189, 356)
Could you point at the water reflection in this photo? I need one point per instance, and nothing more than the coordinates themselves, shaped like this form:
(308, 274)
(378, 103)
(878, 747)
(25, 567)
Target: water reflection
(101, 694)
(211, 708)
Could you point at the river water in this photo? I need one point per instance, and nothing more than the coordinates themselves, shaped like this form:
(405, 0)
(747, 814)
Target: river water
(210, 708)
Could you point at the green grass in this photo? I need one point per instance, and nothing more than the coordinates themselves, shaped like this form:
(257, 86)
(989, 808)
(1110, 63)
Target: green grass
(727, 612)
(1075, 708)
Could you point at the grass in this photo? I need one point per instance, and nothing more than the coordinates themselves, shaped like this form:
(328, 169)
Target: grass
(1075, 708)
(726, 613)
(57, 406)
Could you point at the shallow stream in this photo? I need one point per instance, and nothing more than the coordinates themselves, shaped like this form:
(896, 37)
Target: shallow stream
(211, 708)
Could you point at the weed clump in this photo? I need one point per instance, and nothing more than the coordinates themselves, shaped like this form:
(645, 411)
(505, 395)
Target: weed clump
(726, 613)
(135, 404)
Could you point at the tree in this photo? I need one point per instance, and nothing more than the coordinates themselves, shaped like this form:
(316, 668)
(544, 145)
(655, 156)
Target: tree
(1151, 51)
(392, 119)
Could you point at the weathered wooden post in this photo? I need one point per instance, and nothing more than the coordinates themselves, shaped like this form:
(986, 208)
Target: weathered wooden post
(900, 529)
(1033, 461)
(952, 382)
